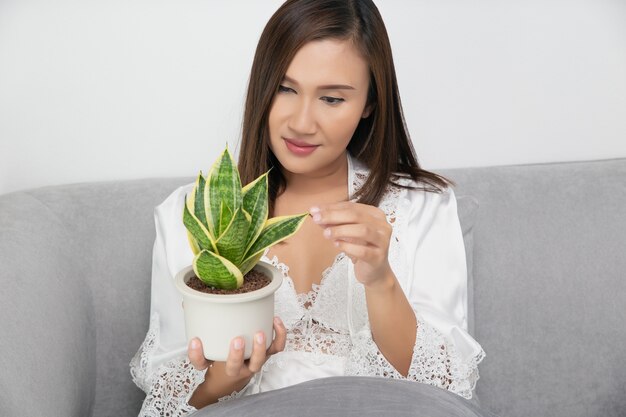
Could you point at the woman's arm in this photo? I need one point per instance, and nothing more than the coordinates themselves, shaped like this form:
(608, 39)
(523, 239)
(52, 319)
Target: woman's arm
(392, 321)
(434, 280)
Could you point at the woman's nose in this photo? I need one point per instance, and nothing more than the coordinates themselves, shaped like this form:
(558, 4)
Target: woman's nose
(302, 120)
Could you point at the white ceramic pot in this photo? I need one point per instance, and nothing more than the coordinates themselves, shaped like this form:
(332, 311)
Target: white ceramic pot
(216, 319)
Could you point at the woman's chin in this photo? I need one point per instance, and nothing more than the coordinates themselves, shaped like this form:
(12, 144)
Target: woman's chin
(297, 164)
(296, 168)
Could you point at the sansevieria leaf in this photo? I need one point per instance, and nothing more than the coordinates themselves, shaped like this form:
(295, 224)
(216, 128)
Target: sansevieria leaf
(217, 271)
(229, 244)
(249, 263)
(255, 203)
(276, 230)
(198, 201)
(224, 185)
(226, 215)
(196, 228)
(193, 243)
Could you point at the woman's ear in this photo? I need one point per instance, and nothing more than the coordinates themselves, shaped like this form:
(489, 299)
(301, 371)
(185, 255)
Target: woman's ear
(367, 111)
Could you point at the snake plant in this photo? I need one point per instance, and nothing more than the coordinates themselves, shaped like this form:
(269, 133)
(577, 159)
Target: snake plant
(228, 226)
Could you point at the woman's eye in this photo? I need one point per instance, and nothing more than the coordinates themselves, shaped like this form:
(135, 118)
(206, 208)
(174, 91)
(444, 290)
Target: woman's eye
(283, 89)
(332, 100)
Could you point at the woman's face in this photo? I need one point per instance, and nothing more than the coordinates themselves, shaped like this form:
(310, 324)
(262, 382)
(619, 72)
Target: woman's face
(319, 104)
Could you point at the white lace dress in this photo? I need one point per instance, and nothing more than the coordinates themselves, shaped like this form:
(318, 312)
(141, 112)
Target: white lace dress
(328, 328)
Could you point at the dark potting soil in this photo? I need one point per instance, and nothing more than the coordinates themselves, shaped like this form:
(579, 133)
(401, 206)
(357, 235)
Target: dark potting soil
(252, 281)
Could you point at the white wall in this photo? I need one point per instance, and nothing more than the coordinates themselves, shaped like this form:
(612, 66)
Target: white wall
(103, 90)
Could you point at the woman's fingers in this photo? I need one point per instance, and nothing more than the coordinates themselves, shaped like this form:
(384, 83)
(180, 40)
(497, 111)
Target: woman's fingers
(257, 359)
(236, 366)
(359, 252)
(355, 223)
(345, 213)
(364, 234)
(234, 362)
(278, 344)
(196, 354)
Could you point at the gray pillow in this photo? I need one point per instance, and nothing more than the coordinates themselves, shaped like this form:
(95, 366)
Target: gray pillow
(349, 397)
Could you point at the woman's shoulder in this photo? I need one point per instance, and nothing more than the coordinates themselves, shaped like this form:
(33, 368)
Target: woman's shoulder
(424, 189)
(400, 184)
(416, 193)
(425, 197)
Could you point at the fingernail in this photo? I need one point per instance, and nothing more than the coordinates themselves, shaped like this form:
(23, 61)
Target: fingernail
(259, 338)
(278, 321)
(317, 217)
(327, 232)
(314, 210)
(238, 344)
(195, 344)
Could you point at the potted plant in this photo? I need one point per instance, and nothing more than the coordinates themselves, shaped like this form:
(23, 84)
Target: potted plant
(227, 291)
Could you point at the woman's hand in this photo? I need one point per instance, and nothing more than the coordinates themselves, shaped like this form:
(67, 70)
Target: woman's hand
(222, 378)
(362, 232)
(235, 365)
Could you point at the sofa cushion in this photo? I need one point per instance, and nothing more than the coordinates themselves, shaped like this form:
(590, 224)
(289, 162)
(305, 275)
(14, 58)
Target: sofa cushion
(48, 340)
(92, 243)
(549, 245)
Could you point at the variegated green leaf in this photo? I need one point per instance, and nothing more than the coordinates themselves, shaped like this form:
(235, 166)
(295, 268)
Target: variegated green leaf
(195, 247)
(224, 185)
(196, 228)
(198, 205)
(217, 271)
(255, 203)
(231, 245)
(249, 263)
(226, 216)
(276, 230)
(213, 222)
(212, 206)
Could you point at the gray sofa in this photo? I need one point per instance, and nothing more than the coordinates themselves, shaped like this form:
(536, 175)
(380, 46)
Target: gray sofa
(549, 287)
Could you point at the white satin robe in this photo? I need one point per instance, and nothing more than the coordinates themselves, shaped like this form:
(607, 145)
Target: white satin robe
(332, 336)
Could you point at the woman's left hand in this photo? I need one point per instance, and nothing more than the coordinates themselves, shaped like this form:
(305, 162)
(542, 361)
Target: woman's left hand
(362, 232)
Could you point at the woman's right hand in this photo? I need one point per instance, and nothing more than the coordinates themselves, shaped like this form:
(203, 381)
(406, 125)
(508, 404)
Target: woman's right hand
(222, 378)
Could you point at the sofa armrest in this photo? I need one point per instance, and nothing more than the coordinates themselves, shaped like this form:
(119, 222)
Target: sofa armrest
(47, 346)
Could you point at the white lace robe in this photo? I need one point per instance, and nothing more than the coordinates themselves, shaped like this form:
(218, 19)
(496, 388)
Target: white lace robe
(328, 328)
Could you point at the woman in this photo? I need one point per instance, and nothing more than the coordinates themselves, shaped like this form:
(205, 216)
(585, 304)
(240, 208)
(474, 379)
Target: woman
(375, 281)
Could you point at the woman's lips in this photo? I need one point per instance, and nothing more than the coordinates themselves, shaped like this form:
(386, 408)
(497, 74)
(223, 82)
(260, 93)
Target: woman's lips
(299, 148)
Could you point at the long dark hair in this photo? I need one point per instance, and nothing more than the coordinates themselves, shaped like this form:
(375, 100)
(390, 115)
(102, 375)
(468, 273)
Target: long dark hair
(381, 141)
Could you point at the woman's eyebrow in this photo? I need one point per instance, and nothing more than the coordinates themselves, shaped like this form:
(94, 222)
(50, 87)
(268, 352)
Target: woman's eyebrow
(322, 87)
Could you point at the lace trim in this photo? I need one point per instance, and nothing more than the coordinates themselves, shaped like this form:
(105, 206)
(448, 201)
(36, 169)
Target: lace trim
(141, 363)
(236, 394)
(305, 300)
(434, 362)
(308, 332)
(173, 386)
